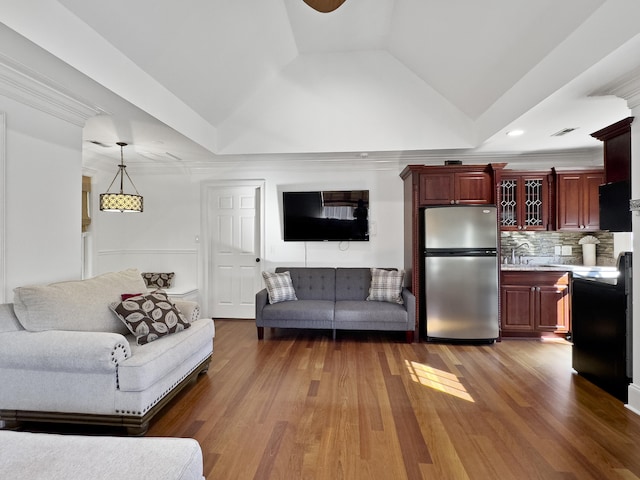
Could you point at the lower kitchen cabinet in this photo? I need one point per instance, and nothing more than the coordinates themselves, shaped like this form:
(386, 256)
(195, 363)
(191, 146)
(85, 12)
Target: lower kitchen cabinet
(535, 303)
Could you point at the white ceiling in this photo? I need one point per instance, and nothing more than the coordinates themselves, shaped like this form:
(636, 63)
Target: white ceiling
(276, 77)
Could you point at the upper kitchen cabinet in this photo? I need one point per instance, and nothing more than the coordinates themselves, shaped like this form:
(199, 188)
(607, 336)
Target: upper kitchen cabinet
(616, 140)
(577, 202)
(525, 201)
(456, 185)
(615, 194)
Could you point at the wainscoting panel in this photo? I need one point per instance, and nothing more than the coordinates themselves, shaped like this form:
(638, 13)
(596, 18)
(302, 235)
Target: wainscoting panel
(184, 263)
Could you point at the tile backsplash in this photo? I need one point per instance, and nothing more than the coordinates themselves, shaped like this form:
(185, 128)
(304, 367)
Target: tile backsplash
(542, 247)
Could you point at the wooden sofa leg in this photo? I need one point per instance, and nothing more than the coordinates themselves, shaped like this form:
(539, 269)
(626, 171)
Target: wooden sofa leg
(409, 336)
(260, 333)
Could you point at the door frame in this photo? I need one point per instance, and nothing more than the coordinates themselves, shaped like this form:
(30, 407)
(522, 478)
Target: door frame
(3, 203)
(207, 187)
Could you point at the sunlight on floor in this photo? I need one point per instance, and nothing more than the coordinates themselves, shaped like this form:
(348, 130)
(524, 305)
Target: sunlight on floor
(438, 380)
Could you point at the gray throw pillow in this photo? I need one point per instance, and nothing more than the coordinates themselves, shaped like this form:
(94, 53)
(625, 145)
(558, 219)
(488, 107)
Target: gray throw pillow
(279, 287)
(386, 285)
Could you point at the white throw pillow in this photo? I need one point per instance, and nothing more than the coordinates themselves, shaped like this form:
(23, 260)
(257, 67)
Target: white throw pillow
(386, 285)
(279, 287)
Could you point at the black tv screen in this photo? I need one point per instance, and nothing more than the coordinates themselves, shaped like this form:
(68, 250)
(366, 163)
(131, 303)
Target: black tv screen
(324, 216)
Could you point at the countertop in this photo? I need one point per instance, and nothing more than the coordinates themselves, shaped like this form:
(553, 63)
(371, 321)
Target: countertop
(577, 270)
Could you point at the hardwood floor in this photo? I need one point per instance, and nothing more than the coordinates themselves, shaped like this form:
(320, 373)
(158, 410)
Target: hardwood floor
(298, 405)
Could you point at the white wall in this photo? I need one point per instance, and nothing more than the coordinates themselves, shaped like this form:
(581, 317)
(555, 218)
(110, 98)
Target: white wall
(42, 195)
(160, 239)
(171, 220)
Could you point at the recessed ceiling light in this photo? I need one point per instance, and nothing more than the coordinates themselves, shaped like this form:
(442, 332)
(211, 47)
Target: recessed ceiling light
(515, 133)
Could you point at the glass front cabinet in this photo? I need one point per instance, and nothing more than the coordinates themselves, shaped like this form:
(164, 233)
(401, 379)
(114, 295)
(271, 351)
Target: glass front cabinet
(525, 201)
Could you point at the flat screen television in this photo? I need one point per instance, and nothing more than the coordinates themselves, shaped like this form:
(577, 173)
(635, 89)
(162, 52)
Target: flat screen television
(615, 215)
(326, 216)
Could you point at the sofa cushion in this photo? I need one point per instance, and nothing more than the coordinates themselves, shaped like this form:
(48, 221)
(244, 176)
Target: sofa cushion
(76, 305)
(308, 310)
(279, 287)
(150, 316)
(149, 363)
(386, 285)
(369, 313)
(312, 283)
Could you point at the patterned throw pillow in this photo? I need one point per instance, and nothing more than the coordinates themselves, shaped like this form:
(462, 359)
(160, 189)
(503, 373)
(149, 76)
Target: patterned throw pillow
(150, 316)
(279, 287)
(158, 280)
(386, 285)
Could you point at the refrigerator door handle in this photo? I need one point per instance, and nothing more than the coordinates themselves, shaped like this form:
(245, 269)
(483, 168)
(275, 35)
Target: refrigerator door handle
(476, 252)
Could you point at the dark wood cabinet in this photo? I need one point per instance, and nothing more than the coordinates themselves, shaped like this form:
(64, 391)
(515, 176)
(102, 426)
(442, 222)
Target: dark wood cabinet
(525, 201)
(616, 140)
(466, 187)
(535, 304)
(577, 200)
(426, 185)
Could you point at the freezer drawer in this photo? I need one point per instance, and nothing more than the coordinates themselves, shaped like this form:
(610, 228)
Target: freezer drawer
(461, 296)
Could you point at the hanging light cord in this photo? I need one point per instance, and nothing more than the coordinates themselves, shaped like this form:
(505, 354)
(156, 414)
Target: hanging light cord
(122, 172)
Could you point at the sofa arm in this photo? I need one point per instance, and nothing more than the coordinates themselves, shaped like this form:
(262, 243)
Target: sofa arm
(262, 298)
(69, 351)
(190, 310)
(410, 304)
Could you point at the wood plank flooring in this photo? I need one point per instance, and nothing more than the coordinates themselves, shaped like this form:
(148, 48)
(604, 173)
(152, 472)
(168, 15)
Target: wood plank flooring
(298, 405)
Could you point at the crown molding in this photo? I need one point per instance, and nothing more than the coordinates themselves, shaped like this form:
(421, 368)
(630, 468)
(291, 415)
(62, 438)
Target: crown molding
(28, 87)
(626, 86)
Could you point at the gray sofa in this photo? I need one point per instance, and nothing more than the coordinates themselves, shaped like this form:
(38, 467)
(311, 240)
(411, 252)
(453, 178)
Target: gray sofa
(334, 299)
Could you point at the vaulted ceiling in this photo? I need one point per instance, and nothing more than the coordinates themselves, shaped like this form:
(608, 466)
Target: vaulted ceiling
(277, 77)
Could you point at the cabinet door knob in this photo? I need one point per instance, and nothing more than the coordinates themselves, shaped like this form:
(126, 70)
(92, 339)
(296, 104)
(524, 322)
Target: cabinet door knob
(452, 202)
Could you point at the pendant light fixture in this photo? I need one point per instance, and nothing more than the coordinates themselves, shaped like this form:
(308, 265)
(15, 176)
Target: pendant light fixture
(121, 202)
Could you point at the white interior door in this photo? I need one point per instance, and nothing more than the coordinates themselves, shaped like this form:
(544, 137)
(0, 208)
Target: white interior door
(234, 250)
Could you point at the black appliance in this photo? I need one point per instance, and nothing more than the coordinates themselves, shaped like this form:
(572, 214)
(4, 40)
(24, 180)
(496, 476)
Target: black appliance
(602, 329)
(615, 215)
(332, 215)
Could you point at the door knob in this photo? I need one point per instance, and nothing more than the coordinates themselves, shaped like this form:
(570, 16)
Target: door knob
(257, 260)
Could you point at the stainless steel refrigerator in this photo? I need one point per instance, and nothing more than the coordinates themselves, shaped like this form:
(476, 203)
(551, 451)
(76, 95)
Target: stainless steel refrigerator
(461, 272)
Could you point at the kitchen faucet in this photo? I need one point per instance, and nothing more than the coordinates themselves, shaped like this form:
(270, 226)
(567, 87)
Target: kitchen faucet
(513, 252)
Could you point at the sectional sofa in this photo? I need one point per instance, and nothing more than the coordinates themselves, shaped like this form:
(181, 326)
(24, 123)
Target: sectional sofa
(335, 299)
